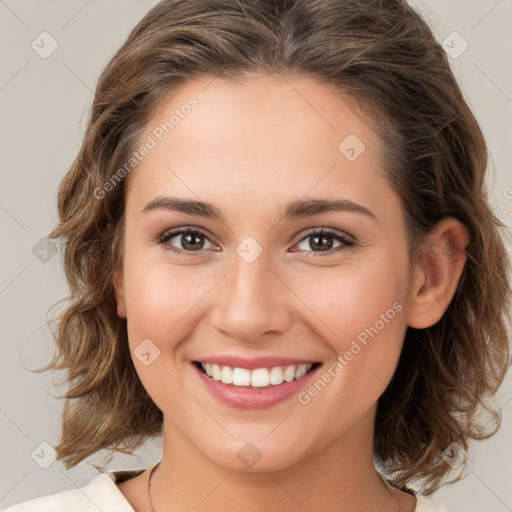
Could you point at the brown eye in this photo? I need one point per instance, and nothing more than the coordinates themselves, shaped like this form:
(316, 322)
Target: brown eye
(185, 240)
(321, 241)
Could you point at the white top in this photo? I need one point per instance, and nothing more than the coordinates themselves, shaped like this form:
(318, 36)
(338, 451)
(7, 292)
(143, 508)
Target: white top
(103, 494)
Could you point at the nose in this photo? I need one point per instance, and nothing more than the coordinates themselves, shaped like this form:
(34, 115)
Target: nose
(252, 302)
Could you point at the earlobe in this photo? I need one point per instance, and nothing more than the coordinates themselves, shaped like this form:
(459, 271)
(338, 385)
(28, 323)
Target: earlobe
(119, 292)
(435, 281)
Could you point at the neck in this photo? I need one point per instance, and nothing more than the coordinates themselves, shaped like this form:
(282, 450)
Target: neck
(341, 476)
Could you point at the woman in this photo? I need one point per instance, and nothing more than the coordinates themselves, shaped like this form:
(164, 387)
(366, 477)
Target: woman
(281, 259)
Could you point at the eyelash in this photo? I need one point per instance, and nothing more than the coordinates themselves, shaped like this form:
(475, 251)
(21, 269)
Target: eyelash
(348, 243)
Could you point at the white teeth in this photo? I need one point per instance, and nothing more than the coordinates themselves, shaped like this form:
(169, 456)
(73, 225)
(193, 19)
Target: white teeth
(226, 375)
(258, 378)
(276, 376)
(241, 377)
(289, 373)
(215, 372)
(301, 371)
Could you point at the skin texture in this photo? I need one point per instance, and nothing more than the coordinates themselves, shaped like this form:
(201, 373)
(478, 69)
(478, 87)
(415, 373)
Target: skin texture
(250, 149)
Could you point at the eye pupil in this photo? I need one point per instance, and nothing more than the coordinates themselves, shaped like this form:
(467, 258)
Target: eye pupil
(318, 245)
(189, 243)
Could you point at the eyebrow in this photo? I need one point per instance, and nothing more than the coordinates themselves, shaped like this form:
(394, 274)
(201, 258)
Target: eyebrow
(296, 209)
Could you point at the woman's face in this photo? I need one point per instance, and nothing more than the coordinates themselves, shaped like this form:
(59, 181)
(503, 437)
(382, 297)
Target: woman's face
(224, 259)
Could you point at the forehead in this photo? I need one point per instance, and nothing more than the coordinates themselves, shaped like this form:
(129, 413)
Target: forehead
(267, 138)
(303, 110)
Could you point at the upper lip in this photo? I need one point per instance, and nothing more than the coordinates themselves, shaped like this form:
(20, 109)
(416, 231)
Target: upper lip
(254, 362)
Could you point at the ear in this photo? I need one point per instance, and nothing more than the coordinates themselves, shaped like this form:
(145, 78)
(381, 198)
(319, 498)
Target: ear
(119, 292)
(436, 279)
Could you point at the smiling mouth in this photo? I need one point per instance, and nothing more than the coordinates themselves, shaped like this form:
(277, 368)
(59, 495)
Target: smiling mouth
(257, 378)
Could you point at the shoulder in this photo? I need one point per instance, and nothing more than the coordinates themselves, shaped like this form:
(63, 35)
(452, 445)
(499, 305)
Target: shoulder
(101, 493)
(424, 505)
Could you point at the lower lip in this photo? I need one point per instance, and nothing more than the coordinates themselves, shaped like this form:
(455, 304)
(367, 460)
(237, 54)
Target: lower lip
(253, 398)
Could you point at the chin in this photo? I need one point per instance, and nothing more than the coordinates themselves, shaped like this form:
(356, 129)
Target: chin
(253, 456)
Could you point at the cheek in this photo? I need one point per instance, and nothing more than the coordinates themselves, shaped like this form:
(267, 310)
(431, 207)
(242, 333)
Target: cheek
(359, 311)
(161, 301)
(161, 298)
(349, 298)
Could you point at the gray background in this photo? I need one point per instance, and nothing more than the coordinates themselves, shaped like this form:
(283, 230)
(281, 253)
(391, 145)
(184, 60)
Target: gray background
(44, 104)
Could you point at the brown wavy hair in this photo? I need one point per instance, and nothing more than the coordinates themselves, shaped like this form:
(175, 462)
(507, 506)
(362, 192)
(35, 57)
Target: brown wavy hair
(383, 56)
